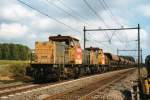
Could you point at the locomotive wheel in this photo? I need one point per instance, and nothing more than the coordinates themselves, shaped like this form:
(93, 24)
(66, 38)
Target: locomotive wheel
(76, 72)
(36, 76)
(57, 74)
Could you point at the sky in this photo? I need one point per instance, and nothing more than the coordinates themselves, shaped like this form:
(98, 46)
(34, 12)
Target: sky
(23, 25)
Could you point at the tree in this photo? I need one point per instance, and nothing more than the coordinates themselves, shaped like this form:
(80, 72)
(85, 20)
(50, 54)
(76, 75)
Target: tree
(14, 52)
(0, 52)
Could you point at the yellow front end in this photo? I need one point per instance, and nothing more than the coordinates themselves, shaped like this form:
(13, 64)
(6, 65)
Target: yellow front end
(101, 57)
(44, 52)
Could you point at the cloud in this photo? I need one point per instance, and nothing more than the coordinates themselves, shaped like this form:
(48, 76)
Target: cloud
(21, 24)
(15, 12)
(144, 9)
(14, 30)
(43, 24)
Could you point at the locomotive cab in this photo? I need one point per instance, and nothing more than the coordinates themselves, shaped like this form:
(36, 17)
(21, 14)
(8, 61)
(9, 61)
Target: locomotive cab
(51, 59)
(72, 50)
(95, 55)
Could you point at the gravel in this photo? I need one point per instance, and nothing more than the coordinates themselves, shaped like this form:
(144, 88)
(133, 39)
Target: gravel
(39, 94)
(119, 90)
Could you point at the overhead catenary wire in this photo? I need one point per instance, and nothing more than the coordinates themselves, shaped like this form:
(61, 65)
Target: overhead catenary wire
(60, 1)
(94, 39)
(106, 8)
(98, 43)
(101, 19)
(63, 9)
(60, 8)
(111, 13)
(66, 6)
(75, 12)
(49, 16)
(113, 16)
(98, 16)
(69, 9)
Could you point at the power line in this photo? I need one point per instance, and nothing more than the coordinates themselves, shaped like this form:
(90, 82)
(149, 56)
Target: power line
(71, 10)
(63, 9)
(85, 30)
(95, 38)
(99, 42)
(101, 4)
(66, 11)
(105, 4)
(111, 13)
(52, 3)
(49, 16)
(66, 6)
(99, 17)
(112, 35)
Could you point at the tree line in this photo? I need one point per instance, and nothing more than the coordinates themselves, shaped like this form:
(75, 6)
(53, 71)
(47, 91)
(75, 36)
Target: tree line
(14, 52)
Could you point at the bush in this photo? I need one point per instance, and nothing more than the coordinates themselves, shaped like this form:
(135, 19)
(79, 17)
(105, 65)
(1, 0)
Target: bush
(13, 69)
(18, 70)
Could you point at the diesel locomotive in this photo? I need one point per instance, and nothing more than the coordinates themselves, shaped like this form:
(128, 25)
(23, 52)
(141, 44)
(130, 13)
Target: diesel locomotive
(62, 57)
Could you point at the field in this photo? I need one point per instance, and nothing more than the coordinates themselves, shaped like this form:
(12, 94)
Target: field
(10, 62)
(12, 70)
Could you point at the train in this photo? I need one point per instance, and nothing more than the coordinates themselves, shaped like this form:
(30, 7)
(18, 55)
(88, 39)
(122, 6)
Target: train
(62, 57)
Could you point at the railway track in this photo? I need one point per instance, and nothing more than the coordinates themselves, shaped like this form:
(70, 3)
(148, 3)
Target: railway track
(87, 92)
(13, 86)
(66, 92)
(5, 91)
(100, 89)
(20, 88)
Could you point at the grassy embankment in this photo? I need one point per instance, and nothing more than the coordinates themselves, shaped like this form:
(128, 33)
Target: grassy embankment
(12, 70)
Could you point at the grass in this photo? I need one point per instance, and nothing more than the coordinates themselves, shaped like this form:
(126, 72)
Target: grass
(13, 69)
(10, 62)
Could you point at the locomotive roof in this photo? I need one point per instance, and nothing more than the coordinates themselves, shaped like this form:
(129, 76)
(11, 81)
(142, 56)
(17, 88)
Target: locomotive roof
(62, 38)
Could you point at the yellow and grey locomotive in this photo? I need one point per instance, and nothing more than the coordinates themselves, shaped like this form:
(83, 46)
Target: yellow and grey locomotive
(62, 57)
